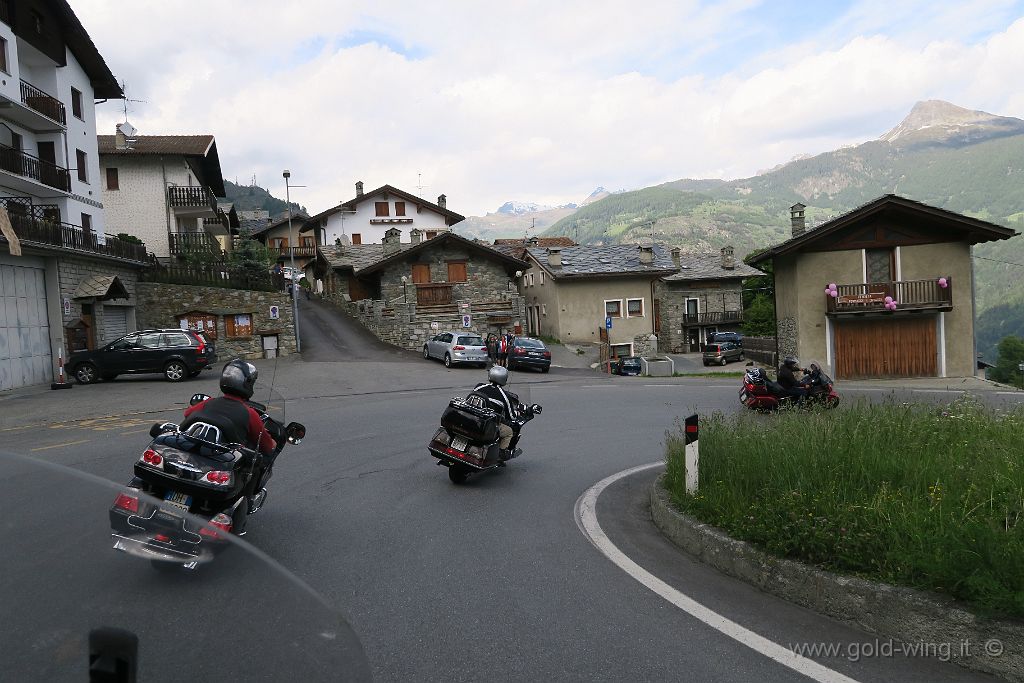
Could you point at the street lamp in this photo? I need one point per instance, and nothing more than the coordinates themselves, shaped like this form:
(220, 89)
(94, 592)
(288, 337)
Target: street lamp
(291, 249)
(405, 291)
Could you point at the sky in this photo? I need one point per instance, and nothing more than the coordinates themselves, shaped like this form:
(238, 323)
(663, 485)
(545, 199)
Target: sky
(541, 101)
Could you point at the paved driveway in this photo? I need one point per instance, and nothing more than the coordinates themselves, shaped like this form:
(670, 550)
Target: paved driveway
(328, 334)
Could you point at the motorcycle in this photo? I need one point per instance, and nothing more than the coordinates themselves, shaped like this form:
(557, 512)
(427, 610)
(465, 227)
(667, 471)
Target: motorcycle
(467, 441)
(763, 394)
(195, 474)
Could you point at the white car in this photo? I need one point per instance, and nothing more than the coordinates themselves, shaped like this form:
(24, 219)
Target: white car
(457, 348)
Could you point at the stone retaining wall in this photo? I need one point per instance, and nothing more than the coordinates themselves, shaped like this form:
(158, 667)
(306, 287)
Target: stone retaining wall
(901, 613)
(162, 305)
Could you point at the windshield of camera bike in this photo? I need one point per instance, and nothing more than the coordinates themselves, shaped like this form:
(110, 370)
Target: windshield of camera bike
(270, 400)
(64, 590)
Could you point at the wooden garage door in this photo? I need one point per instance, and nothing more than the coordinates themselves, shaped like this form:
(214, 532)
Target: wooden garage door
(886, 347)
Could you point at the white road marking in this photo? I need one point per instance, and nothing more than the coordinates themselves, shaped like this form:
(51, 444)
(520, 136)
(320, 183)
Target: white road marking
(586, 518)
(598, 386)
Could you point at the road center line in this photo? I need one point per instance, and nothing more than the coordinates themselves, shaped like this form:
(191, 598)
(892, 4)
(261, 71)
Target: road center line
(586, 518)
(59, 445)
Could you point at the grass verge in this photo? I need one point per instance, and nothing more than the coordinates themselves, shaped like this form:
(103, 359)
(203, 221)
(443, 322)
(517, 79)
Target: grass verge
(914, 495)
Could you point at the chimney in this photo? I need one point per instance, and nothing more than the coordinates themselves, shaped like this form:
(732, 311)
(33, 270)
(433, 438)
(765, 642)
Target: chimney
(392, 241)
(728, 260)
(359, 188)
(415, 235)
(533, 242)
(796, 217)
(442, 201)
(120, 141)
(555, 257)
(676, 260)
(646, 254)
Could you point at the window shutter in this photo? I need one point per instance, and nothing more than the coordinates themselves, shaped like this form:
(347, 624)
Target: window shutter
(457, 272)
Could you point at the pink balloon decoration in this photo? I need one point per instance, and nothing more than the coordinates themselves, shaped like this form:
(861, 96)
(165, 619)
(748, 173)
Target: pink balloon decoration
(831, 285)
(888, 300)
(828, 291)
(833, 293)
(943, 282)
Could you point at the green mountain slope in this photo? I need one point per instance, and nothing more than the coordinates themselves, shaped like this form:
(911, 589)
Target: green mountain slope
(250, 197)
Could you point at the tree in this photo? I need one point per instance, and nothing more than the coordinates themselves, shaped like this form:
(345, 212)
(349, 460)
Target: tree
(1011, 354)
(759, 317)
(253, 257)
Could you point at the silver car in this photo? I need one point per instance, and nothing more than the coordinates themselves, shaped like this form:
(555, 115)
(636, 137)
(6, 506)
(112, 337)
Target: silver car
(456, 348)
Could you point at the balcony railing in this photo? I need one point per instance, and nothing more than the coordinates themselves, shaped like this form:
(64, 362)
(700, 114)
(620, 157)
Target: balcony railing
(212, 275)
(191, 196)
(30, 229)
(47, 105)
(912, 295)
(305, 251)
(713, 318)
(433, 293)
(17, 162)
(183, 243)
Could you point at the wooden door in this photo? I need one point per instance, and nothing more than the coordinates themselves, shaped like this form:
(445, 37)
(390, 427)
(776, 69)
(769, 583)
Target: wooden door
(420, 273)
(886, 347)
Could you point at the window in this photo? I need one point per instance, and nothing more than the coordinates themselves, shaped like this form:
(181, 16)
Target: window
(87, 233)
(76, 103)
(613, 308)
(542, 277)
(381, 208)
(112, 180)
(399, 208)
(125, 343)
(3, 56)
(238, 325)
(457, 271)
(431, 234)
(357, 238)
(621, 350)
(83, 161)
(16, 141)
(279, 243)
(529, 279)
(308, 241)
(543, 309)
(149, 340)
(176, 340)
(634, 308)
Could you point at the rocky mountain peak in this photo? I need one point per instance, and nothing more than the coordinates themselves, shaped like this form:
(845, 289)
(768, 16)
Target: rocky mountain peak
(940, 121)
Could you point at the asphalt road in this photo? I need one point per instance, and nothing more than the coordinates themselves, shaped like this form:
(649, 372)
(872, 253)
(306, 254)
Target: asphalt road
(490, 581)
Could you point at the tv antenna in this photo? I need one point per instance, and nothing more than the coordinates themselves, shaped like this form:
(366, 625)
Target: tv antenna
(419, 184)
(126, 100)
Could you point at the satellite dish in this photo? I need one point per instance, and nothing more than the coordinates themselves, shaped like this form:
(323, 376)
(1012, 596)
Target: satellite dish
(127, 129)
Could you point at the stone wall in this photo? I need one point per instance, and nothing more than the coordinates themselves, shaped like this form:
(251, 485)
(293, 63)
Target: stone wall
(714, 296)
(786, 333)
(72, 270)
(487, 279)
(161, 305)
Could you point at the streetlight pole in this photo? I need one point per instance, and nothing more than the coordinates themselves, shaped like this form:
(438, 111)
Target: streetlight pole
(291, 249)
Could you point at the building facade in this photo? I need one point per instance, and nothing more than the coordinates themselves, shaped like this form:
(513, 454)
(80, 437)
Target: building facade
(885, 290)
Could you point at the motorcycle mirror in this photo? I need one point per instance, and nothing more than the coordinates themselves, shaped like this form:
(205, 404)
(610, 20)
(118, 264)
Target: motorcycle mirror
(536, 409)
(197, 398)
(295, 431)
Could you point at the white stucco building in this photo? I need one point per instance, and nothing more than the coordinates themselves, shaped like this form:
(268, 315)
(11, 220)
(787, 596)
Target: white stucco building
(365, 218)
(163, 189)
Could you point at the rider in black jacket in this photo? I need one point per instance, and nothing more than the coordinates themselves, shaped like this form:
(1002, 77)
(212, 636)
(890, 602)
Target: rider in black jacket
(787, 378)
(505, 404)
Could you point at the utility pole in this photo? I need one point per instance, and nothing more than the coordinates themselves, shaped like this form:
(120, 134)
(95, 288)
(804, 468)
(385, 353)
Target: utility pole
(291, 249)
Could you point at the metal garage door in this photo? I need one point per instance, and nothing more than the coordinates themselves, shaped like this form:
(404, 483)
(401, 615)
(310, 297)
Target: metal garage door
(886, 347)
(25, 357)
(115, 323)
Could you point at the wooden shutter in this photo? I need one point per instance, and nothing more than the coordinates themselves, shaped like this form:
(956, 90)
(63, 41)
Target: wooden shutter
(112, 180)
(420, 273)
(381, 208)
(399, 208)
(357, 238)
(457, 271)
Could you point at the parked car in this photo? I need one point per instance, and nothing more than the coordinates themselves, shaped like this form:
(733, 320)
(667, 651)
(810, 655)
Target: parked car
(175, 353)
(734, 337)
(526, 352)
(720, 354)
(455, 348)
(627, 365)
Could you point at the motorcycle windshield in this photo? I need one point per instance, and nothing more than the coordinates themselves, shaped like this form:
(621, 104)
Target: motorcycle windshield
(271, 400)
(237, 616)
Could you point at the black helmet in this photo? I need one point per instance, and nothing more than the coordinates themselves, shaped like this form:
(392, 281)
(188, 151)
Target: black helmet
(238, 378)
(791, 362)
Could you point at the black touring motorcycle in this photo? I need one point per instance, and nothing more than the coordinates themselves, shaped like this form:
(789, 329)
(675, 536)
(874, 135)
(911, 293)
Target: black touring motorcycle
(194, 471)
(467, 441)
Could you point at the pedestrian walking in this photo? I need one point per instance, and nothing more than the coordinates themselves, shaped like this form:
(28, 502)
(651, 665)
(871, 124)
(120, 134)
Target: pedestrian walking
(492, 350)
(502, 351)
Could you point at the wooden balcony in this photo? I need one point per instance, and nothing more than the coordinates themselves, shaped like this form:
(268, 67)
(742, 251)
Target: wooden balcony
(191, 196)
(305, 251)
(909, 295)
(434, 293)
(713, 318)
(39, 101)
(52, 233)
(17, 162)
(183, 243)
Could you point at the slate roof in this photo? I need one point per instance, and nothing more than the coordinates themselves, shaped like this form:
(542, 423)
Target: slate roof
(102, 287)
(613, 260)
(356, 256)
(297, 221)
(517, 247)
(709, 267)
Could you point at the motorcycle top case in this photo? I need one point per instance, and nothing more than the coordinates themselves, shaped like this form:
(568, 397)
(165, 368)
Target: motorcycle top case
(473, 422)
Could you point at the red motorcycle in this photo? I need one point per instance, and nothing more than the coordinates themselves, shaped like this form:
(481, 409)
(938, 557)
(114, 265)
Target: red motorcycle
(763, 394)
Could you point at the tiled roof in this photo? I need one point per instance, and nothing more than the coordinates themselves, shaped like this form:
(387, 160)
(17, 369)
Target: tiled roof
(517, 247)
(390, 189)
(709, 267)
(609, 260)
(252, 226)
(356, 256)
(185, 145)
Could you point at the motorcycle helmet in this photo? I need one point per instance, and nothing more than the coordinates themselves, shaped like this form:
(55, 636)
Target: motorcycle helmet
(498, 375)
(791, 362)
(238, 378)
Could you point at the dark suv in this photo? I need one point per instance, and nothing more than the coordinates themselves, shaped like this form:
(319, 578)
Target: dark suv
(175, 353)
(718, 337)
(529, 353)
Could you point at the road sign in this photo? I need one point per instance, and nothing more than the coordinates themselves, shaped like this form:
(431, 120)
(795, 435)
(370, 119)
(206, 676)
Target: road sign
(67, 306)
(608, 323)
(467, 320)
(275, 312)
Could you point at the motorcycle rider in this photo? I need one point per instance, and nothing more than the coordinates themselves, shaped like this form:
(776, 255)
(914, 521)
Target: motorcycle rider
(238, 422)
(787, 378)
(505, 404)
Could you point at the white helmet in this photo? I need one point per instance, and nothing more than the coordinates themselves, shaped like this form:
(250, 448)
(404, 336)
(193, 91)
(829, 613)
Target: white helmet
(498, 375)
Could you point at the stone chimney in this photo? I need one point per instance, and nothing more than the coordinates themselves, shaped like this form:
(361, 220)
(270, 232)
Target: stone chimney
(796, 218)
(676, 260)
(120, 141)
(533, 242)
(392, 241)
(646, 254)
(555, 257)
(728, 260)
(442, 201)
(415, 236)
(359, 188)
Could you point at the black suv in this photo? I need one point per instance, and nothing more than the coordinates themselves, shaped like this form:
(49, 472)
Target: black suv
(718, 337)
(529, 353)
(175, 353)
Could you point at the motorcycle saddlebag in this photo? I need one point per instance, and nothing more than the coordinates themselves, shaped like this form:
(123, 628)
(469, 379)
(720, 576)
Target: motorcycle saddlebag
(475, 423)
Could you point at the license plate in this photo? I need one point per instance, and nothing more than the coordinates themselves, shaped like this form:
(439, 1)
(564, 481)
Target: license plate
(459, 444)
(178, 500)
(743, 396)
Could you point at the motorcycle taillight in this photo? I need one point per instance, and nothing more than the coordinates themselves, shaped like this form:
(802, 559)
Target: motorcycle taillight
(127, 502)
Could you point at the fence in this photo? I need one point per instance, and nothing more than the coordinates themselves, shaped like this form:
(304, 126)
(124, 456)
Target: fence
(761, 349)
(211, 276)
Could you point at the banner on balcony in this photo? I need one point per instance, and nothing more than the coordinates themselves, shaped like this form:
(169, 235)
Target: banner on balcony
(13, 243)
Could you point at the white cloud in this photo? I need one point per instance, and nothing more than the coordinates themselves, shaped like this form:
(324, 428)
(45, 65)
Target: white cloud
(536, 101)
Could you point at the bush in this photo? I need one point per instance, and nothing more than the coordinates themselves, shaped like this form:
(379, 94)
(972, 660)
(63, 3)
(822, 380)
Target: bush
(906, 494)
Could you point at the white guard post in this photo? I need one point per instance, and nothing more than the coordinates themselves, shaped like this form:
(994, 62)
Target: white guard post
(692, 456)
